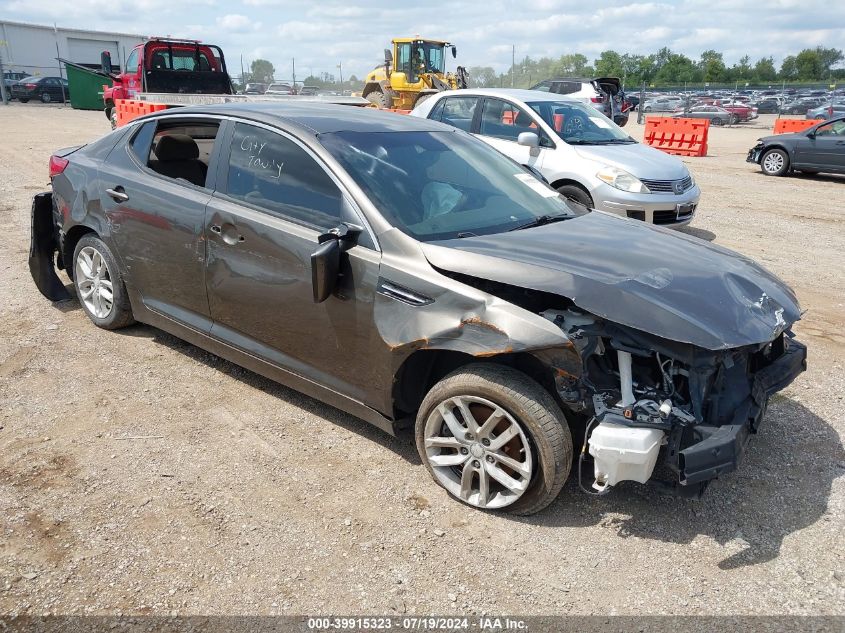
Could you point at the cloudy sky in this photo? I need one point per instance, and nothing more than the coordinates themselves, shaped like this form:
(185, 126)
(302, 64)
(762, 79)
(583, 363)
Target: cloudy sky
(322, 33)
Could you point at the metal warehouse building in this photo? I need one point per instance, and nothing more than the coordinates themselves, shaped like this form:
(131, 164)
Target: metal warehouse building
(31, 48)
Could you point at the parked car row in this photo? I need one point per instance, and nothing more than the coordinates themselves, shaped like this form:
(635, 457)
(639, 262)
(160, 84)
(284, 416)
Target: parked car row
(404, 271)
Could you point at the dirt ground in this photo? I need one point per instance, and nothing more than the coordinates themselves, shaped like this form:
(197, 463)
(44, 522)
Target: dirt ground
(139, 474)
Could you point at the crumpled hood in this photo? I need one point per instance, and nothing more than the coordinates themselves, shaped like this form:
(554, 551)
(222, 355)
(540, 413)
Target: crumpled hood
(666, 283)
(636, 158)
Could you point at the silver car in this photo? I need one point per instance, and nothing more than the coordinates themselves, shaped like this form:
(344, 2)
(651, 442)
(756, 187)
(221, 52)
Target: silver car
(579, 151)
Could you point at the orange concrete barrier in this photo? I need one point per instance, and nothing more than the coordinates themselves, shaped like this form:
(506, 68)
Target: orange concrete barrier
(128, 109)
(785, 126)
(684, 137)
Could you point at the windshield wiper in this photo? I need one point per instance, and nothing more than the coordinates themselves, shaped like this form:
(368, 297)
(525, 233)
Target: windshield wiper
(614, 141)
(541, 220)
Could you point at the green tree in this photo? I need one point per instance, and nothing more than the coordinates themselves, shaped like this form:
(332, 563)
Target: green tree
(482, 77)
(764, 70)
(609, 64)
(788, 68)
(572, 65)
(712, 66)
(678, 69)
(262, 70)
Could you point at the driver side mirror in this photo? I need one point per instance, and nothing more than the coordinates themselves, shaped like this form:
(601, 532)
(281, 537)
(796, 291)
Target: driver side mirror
(529, 139)
(105, 62)
(325, 261)
(454, 51)
(388, 56)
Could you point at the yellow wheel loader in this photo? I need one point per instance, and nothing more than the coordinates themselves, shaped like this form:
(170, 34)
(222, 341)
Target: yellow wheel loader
(414, 69)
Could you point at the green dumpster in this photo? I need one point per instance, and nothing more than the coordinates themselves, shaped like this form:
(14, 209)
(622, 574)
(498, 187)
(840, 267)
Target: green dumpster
(86, 88)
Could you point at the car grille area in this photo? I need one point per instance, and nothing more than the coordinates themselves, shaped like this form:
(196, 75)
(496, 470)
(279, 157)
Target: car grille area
(669, 186)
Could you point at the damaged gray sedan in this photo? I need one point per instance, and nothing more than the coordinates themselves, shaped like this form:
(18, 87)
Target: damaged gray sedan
(409, 274)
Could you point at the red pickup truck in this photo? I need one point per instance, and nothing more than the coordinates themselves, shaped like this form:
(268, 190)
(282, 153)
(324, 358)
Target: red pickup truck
(163, 65)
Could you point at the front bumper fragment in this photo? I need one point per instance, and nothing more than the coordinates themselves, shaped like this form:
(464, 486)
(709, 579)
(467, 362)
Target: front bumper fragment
(722, 447)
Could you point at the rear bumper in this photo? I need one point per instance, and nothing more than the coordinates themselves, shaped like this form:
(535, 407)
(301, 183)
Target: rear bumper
(723, 447)
(43, 247)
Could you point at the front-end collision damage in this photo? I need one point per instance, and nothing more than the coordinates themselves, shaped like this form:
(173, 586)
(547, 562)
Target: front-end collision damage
(674, 335)
(43, 248)
(707, 403)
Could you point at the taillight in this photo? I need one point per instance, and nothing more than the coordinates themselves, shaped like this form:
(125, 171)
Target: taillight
(57, 165)
(596, 99)
(31, 86)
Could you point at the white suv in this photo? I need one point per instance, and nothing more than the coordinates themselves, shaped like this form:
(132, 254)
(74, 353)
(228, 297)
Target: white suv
(579, 151)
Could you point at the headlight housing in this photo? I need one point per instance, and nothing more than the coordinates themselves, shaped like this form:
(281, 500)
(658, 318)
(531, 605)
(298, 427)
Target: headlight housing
(622, 180)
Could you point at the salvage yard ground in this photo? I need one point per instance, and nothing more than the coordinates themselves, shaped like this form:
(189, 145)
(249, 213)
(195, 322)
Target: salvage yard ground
(139, 474)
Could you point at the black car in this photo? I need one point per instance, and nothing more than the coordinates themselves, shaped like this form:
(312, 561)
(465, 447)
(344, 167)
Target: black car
(10, 78)
(410, 274)
(768, 106)
(47, 89)
(820, 148)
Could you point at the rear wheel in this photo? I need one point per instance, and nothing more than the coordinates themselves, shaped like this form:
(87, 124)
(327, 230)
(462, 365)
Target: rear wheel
(99, 285)
(45, 97)
(494, 439)
(775, 162)
(576, 194)
(716, 121)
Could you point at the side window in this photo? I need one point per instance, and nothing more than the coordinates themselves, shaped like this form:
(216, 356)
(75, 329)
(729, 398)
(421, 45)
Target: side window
(142, 141)
(543, 87)
(437, 110)
(458, 112)
(835, 128)
(501, 119)
(274, 173)
(182, 150)
(132, 62)
(403, 58)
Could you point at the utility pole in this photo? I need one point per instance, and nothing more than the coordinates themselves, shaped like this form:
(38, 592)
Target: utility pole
(293, 72)
(58, 54)
(340, 69)
(513, 63)
(243, 77)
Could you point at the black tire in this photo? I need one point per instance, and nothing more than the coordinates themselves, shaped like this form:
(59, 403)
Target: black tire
(24, 100)
(45, 97)
(422, 98)
(777, 163)
(534, 411)
(120, 314)
(379, 99)
(716, 121)
(576, 194)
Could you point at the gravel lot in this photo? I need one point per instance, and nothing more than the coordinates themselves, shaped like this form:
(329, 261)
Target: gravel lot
(246, 497)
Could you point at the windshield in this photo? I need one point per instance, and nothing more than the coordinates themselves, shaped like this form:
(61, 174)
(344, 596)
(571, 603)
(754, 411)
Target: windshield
(442, 185)
(429, 57)
(579, 124)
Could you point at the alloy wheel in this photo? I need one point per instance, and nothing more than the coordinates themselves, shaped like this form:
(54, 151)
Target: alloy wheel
(94, 282)
(773, 162)
(478, 451)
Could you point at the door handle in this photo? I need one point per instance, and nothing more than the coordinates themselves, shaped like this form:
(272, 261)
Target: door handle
(229, 233)
(118, 194)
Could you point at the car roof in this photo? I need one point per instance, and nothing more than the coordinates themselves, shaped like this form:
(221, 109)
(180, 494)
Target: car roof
(513, 93)
(316, 118)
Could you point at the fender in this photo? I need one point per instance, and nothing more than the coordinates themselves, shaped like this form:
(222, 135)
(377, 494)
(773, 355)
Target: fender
(43, 247)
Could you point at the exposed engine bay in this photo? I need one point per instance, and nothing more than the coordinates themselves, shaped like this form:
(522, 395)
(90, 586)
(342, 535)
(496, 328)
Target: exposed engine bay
(647, 396)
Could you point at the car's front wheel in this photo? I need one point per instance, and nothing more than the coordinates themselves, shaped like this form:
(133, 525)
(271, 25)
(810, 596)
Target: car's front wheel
(99, 285)
(45, 97)
(576, 194)
(775, 162)
(494, 439)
